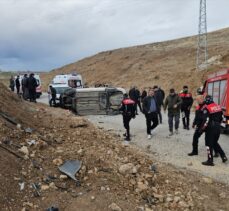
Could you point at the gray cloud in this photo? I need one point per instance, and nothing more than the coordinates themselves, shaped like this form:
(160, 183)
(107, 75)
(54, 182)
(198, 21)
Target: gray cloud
(44, 34)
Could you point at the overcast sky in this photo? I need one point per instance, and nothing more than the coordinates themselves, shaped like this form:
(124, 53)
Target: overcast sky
(46, 34)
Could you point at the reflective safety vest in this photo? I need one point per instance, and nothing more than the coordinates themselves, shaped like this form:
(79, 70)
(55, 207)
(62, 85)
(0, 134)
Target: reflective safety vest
(128, 102)
(213, 108)
(184, 95)
(197, 107)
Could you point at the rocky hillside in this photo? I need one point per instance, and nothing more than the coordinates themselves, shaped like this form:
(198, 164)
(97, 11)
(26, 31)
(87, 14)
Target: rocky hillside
(168, 64)
(36, 139)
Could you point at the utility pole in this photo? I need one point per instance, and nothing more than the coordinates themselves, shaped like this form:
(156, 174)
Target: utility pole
(202, 54)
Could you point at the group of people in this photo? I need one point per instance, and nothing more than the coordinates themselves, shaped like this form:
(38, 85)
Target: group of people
(208, 116)
(27, 85)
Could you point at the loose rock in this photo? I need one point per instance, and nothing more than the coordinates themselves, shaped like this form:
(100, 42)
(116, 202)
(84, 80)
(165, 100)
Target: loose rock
(114, 207)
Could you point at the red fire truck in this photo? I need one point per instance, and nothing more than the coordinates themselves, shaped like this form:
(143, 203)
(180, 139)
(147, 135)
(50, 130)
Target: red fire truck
(217, 85)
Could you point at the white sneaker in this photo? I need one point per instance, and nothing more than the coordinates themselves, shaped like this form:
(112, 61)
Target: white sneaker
(171, 133)
(149, 136)
(176, 131)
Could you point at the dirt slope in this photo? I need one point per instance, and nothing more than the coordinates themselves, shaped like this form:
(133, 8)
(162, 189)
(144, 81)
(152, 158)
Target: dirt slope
(168, 64)
(104, 178)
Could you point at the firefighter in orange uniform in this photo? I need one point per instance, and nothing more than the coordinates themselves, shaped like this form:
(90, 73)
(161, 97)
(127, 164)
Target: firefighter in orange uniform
(212, 118)
(128, 110)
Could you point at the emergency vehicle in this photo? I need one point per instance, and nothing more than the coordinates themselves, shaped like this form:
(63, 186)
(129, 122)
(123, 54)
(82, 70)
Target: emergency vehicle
(64, 82)
(71, 80)
(217, 85)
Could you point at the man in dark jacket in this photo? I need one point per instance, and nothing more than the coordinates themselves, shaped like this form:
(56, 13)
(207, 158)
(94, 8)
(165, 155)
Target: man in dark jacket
(24, 86)
(159, 95)
(173, 102)
(128, 112)
(53, 96)
(196, 124)
(32, 85)
(134, 94)
(12, 83)
(150, 109)
(198, 119)
(211, 124)
(186, 105)
(17, 82)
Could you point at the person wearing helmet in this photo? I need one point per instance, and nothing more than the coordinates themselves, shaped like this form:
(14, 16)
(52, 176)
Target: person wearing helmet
(128, 110)
(212, 118)
(196, 125)
(186, 105)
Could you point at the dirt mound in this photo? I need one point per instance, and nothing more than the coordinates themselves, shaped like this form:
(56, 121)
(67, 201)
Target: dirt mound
(112, 176)
(168, 64)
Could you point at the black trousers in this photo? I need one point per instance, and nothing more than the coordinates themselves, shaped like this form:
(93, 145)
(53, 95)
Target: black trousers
(212, 135)
(195, 140)
(185, 117)
(18, 89)
(126, 123)
(52, 100)
(151, 118)
(139, 105)
(32, 95)
(159, 115)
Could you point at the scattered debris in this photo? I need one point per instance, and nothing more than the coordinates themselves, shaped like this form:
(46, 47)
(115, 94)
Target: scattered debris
(22, 186)
(153, 168)
(70, 168)
(31, 142)
(29, 130)
(36, 187)
(53, 209)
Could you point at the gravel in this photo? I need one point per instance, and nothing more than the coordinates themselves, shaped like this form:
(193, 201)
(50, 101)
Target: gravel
(172, 150)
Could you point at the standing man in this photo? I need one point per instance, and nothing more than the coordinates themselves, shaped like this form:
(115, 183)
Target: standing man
(53, 96)
(24, 86)
(212, 118)
(150, 109)
(186, 105)
(12, 83)
(132, 95)
(197, 122)
(17, 81)
(159, 95)
(128, 112)
(197, 125)
(138, 98)
(173, 102)
(32, 85)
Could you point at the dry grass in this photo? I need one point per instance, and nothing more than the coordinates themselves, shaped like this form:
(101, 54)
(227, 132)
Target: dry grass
(167, 64)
